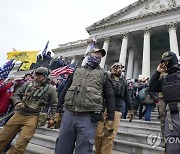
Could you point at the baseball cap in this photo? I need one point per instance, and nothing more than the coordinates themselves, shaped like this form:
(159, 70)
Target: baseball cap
(102, 51)
(167, 56)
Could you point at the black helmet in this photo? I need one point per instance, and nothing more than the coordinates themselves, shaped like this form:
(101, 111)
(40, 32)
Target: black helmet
(170, 57)
(42, 71)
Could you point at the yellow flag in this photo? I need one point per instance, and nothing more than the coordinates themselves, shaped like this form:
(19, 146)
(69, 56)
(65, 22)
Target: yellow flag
(24, 56)
(25, 66)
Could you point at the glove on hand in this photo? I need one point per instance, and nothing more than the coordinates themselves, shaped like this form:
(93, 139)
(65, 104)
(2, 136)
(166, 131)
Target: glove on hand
(109, 128)
(19, 106)
(51, 122)
(57, 120)
(130, 115)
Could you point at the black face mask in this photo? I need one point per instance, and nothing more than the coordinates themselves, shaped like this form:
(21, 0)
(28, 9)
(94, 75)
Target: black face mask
(174, 69)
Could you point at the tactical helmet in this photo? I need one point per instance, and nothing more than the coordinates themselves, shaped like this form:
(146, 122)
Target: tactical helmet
(42, 71)
(117, 64)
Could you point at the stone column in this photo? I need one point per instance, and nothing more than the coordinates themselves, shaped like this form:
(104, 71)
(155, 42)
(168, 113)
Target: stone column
(122, 58)
(173, 38)
(87, 50)
(105, 47)
(146, 54)
(130, 64)
(136, 69)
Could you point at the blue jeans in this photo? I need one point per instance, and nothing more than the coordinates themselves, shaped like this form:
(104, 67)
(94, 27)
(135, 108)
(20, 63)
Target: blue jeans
(148, 111)
(77, 133)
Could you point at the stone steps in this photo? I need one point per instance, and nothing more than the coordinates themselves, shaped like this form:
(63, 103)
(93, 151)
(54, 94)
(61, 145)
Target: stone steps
(140, 123)
(131, 138)
(36, 149)
(138, 130)
(136, 148)
(152, 118)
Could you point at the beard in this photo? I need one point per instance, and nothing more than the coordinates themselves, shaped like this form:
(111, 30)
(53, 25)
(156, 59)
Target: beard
(37, 83)
(116, 73)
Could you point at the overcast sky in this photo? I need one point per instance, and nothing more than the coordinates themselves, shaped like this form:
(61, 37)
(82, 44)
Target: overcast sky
(29, 24)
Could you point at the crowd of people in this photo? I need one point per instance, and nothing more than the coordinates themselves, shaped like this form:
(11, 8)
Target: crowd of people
(88, 105)
(49, 62)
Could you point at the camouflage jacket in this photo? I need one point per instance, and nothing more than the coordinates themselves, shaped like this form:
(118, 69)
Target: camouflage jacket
(36, 99)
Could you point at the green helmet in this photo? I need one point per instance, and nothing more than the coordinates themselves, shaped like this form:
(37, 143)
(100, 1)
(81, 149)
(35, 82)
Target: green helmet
(42, 71)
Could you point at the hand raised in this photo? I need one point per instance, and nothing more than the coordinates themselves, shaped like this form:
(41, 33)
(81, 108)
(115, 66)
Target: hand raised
(161, 68)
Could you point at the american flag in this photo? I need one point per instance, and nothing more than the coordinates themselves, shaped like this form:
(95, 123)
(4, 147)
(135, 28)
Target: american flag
(45, 49)
(69, 69)
(8, 63)
(4, 72)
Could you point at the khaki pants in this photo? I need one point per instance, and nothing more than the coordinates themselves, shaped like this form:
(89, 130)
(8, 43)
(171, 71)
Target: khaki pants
(104, 142)
(13, 126)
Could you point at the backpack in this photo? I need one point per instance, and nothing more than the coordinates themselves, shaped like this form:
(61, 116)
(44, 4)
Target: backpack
(145, 97)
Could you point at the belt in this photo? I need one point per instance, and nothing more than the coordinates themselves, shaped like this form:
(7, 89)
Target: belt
(78, 113)
(81, 113)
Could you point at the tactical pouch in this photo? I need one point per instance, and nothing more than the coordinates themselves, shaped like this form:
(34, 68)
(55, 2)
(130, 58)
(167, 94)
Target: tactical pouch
(42, 119)
(173, 107)
(96, 116)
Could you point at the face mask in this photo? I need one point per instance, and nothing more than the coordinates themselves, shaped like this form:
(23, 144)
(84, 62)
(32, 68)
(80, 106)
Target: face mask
(93, 61)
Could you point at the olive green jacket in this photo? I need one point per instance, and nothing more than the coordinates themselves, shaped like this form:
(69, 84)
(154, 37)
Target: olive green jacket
(86, 91)
(36, 99)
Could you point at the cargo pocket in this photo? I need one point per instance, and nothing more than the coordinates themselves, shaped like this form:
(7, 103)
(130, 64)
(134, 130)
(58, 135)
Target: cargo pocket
(91, 143)
(70, 93)
(42, 119)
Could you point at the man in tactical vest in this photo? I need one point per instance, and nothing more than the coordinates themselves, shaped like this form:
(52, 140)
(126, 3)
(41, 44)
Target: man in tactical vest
(82, 98)
(29, 101)
(169, 86)
(104, 140)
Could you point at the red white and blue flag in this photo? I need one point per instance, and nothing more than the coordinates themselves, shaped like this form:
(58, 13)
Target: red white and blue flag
(69, 69)
(7, 67)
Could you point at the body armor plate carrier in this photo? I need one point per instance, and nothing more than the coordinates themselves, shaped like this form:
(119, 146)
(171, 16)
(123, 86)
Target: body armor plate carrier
(119, 87)
(171, 86)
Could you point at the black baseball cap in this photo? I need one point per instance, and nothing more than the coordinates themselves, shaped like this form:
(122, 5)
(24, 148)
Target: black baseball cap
(102, 51)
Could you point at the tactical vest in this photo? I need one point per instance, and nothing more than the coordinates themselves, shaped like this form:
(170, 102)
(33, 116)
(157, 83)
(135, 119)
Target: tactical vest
(86, 91)
(119, 87)
(171, 87)
(32, 97)
(171, 95)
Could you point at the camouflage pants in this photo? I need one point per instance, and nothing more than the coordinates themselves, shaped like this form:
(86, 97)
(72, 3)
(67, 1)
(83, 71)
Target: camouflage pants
(162, 113)
(173, 136)
(13, 126)
(103, 142)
